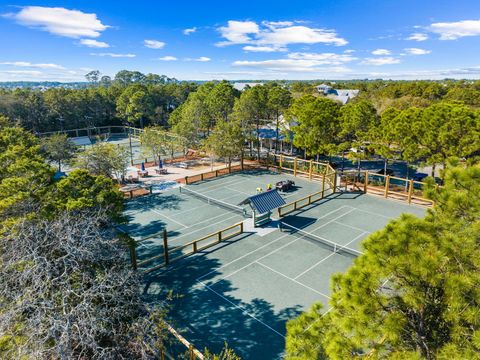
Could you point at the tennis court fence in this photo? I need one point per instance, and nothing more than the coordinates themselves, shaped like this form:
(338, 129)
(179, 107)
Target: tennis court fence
(169, 255)
(328, 188)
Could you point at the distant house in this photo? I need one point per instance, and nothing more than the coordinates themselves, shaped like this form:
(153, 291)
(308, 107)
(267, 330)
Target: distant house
(343, 96)
(240, 86)
(325, 89)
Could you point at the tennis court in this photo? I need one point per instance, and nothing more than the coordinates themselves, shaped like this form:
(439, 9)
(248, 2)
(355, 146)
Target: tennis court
(190, 214)
(244, 289)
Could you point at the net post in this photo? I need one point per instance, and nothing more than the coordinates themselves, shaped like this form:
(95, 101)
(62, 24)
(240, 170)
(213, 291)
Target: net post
(219, 236)
(295, 167)
(410, 191)
(241, 161)
(201, 176)
(241, 227)
(216, 173)
(165, 246)
(186, 180)
(195, 249)
(365, 186)
(310, 170)
(387, 185)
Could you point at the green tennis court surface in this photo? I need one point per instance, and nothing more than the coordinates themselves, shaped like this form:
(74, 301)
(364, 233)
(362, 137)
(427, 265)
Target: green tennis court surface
(245, 289)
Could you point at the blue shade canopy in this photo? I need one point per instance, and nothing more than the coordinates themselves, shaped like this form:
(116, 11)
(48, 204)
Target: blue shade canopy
(265, 201)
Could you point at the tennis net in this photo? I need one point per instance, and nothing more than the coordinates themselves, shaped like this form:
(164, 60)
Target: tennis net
(213, 201)
(337, 248)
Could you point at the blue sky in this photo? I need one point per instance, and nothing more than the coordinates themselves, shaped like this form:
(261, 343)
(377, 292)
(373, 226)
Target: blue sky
(202, 40)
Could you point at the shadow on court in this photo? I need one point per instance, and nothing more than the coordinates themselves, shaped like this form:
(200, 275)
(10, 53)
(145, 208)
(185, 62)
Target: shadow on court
(213, 318)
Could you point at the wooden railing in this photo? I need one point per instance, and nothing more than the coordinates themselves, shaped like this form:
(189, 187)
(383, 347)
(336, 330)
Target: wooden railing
(178, 252)
(389, 187)
(327, 189)
(220, 172)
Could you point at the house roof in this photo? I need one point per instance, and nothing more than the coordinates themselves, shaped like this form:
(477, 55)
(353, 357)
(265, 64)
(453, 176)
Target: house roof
(265, 201)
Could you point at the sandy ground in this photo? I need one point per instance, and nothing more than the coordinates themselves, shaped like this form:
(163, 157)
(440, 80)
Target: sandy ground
(174, 172)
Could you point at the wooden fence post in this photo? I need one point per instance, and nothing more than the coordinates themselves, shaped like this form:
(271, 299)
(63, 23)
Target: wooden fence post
(165, 246)
(190, 351)
(365, 186)
(410, 191)
(323, 185)
(310, 170)
(281, 163)
(295, 167)
(387, 185)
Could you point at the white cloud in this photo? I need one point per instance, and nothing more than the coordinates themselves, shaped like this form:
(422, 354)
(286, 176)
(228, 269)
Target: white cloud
(300, 35)
(455, 30)
(202, 59)
(30, 65)
(189, 31)
(114, 55)
(24, 72)
(323, 58)
(381, 52)
(154, 44)
(349, 51)
(237, 32)
(387, 60)
(292, 65)
(303, 63)
(416, 51)
(276, 24)
(167, 58)
(275, 35)
(94, 43)
(418, 37)
(251, 48)
(60, 21)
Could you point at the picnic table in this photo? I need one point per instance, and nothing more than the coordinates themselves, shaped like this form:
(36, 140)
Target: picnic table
(142, 173)
(161, 171)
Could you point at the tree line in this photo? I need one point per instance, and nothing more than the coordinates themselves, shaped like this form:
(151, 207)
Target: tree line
(130, 98)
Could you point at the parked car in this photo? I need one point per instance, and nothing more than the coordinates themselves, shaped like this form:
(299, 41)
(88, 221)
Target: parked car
(419, 176)
(284, 185)
(389, 172)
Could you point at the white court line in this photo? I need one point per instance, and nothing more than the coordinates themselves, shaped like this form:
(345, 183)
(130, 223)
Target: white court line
(216, 223)
(372, 213)
(354, 227)
(194, 231)
(217, 186)
(283, 246)
(295, 281)
(169, 218)
(240, 308)
(261, 247)
(333, 253)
